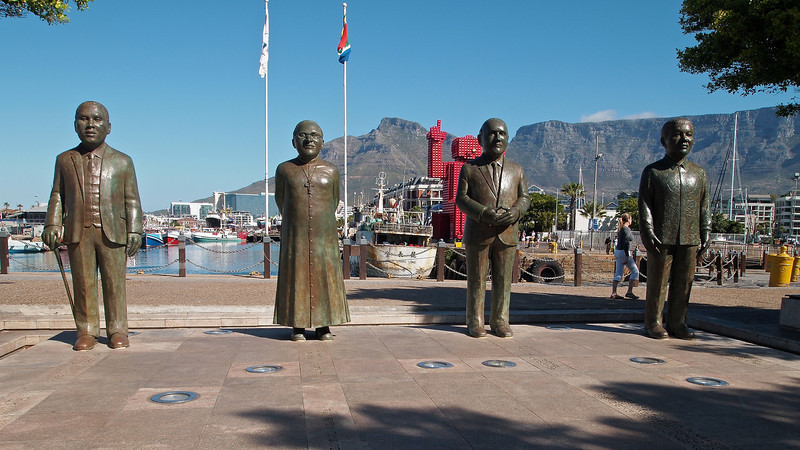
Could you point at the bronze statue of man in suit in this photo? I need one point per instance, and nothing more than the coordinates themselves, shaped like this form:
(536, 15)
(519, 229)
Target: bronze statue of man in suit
(95, 199)
(675, 226)
(493, 195)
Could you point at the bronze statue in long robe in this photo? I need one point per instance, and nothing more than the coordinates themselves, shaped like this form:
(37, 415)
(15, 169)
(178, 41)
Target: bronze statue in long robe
(310, 289)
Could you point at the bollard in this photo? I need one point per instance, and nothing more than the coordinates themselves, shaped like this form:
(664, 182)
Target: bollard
(796, 269)
(267, 255)
(347, 250)
(181, 255)
(742, 263)
(780, 273)
(718, 264)
(735, 267)
(515, 272)
(441, 249)
(362, 259)
(637, 259)
(4, 235)
(578, 265)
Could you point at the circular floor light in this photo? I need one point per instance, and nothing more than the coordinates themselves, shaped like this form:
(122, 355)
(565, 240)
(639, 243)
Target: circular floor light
(264, 369)
(706, 381)
(498, 363)
(174, 397)
(647, 360)
(434, 364)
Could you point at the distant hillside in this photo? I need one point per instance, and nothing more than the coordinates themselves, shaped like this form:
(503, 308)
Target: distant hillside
(552, 152)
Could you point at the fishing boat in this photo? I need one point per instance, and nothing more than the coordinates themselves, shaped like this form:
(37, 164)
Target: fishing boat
(152, 239)
(215, 235)
(15, 246)
(170, 237)
(398, 240)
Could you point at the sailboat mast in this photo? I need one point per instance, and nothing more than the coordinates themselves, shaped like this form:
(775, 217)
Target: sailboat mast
(733, 164)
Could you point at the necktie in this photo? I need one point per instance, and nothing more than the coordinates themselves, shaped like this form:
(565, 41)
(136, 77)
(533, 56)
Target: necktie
(495, 175)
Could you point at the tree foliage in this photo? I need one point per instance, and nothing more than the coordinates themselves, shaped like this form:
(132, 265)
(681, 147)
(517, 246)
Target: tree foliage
(721, 224)
(591, 212)
(744, 46)
(51, 11)
(630, 205)
(573, 191)
(541, 213)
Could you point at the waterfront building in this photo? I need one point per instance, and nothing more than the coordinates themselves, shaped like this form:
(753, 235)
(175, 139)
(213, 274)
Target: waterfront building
(787, 215)
(251, 203)
(193, 210)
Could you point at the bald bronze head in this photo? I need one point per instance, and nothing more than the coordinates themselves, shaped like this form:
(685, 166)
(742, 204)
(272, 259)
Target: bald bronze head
(92, 124)
(307, 140)
(493, 138)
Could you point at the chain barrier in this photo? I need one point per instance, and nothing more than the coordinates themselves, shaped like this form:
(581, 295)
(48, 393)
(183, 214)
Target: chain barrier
(538, 277)
(34, 268)
(223, 251)
(267, 258)
(378, 269)
(225, 271)
(459, 253)
(152, 269)
(455, 271)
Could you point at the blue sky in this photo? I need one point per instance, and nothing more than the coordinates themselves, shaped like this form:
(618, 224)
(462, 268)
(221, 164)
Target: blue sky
(180, 78)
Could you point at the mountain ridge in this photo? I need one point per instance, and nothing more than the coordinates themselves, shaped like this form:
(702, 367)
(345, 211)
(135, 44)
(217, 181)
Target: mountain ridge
(553, 153)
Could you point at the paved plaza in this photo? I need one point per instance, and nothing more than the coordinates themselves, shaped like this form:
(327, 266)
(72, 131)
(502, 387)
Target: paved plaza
(573, 383)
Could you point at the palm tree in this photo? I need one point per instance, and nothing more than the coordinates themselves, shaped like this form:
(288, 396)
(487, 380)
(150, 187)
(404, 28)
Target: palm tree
(573, 191)
(589, 210)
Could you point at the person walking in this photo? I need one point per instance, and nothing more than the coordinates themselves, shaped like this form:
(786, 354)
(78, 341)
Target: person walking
(622, 255)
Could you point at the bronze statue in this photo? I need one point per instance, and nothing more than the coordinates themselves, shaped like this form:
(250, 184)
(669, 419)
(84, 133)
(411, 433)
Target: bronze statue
(493, 194)
(675, 226)
(310, 290)
(96, 199)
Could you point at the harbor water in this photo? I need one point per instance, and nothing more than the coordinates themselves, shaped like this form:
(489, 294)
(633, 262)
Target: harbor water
(201, 258)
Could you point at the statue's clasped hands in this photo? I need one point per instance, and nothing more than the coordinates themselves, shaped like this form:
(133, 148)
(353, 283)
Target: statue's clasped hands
(501, 216)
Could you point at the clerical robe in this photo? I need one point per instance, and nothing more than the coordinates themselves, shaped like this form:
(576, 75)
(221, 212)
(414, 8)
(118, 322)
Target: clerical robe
(310, 290)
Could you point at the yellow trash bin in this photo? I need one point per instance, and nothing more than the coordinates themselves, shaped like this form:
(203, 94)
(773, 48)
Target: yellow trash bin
(796, 269)
(780, 272)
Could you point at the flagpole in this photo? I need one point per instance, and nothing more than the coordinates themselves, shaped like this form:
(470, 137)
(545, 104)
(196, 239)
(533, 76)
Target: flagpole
(344, 84)
(263, 73)
(262, 70)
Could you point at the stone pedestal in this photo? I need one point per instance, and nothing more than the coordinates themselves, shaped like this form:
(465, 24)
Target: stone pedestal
(790, 312)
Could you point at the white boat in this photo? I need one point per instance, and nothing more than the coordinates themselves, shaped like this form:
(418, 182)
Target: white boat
(398, 241)
(208, 235)
(15, 246)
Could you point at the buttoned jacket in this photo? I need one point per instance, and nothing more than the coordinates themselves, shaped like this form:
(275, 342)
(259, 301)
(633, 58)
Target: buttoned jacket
(477, 193)
(674, 204)
(120, 207)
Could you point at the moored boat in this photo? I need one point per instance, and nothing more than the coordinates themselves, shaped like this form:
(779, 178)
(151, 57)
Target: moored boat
(15, 246)
(398, 241)
(152, 239)
(209, 235)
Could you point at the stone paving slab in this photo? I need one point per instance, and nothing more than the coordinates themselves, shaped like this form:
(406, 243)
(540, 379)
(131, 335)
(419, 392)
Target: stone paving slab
(572, 387)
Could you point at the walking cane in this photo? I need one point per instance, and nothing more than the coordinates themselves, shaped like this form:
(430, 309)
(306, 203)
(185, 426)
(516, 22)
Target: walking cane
(64, 278)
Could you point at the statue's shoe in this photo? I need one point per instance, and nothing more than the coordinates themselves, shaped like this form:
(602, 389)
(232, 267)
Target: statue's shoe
(84, 342)
(118, 340)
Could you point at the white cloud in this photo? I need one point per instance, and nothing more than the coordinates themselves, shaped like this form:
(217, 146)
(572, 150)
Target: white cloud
(611, 114)
(600, 116)
(642, 115)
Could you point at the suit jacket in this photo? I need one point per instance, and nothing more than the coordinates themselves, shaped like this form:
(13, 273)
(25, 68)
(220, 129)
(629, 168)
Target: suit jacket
(477, 193)
(120, 207)
(673, 204)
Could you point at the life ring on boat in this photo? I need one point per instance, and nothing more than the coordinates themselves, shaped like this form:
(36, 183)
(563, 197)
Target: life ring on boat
(547, 270)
